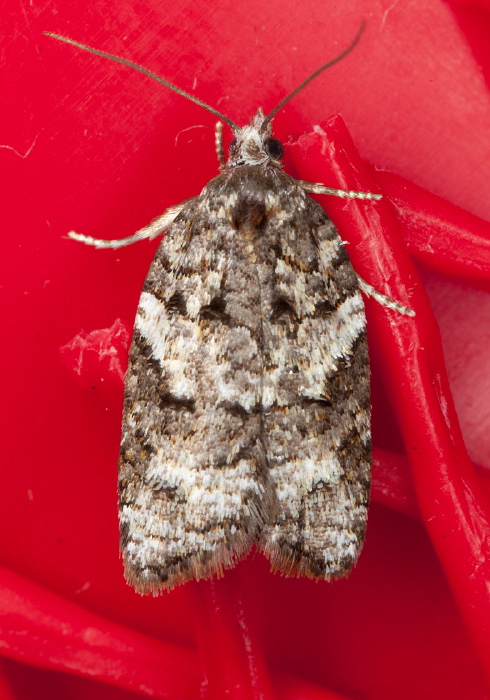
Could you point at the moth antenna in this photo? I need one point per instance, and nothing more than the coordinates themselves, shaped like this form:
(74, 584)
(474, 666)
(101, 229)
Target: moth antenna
(147, 72)
(292, 94)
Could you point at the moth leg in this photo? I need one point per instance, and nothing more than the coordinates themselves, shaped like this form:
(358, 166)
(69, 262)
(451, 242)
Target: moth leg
(382, 299)
(156, 228)
(317, 188)
(218, 142)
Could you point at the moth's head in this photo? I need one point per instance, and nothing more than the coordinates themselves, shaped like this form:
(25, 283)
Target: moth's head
(254, 144)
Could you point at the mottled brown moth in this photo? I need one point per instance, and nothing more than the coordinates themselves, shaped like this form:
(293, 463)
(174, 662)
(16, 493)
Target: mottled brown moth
(247, 402)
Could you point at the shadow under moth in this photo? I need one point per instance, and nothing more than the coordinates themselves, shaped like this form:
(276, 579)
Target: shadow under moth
(247, 401)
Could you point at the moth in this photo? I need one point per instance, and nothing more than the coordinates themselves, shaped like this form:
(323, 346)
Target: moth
(247, 402)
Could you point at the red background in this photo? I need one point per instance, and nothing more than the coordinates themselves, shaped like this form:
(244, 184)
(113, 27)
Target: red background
(89, 145)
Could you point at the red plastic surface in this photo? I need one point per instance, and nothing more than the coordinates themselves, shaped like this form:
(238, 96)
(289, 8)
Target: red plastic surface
(88, 145)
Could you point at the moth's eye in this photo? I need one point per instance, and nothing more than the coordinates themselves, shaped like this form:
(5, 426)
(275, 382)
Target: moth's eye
(232, 146)
(274, 148)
